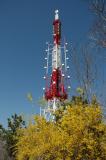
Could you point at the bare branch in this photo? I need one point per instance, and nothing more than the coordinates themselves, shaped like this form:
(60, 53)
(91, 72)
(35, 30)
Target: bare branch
(98, 30)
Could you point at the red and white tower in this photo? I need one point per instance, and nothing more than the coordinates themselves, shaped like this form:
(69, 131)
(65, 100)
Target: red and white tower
(56, 90)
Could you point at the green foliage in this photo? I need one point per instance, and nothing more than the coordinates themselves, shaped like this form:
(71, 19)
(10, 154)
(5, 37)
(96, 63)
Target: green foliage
(14, 123)
(29, 97)
(2, 130)
(80, 91)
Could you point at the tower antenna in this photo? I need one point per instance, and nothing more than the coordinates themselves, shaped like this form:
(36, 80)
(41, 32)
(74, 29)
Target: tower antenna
(55, 92)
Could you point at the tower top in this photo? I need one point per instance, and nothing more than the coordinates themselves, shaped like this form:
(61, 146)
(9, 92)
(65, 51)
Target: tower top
(56, 14)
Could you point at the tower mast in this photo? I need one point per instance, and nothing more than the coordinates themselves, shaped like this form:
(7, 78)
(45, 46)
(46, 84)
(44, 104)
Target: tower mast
(55, 91)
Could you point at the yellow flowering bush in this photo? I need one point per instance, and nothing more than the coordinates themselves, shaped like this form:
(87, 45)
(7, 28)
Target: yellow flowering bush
(79, 134)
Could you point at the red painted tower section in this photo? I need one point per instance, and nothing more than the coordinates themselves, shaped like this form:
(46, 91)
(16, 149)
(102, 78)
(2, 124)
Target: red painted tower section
(56, 89)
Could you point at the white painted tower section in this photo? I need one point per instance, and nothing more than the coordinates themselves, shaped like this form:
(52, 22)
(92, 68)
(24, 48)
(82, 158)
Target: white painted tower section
(56, 14)
(56, 57)
(56, 54)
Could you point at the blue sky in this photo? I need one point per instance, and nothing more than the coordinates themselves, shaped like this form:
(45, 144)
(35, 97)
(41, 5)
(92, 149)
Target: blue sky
(25, 26)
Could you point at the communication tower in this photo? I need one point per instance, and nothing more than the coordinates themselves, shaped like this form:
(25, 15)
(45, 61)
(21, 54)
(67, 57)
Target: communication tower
(56, 77)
